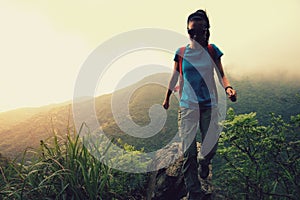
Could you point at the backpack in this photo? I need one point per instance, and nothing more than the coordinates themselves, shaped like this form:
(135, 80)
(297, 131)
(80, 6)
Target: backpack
(212, 54)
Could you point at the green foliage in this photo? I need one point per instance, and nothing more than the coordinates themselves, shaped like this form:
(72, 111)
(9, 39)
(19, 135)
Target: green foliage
(64, 169)
(259, 162)
(126, 185)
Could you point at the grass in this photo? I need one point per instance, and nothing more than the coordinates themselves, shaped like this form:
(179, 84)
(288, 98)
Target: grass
(63, 168)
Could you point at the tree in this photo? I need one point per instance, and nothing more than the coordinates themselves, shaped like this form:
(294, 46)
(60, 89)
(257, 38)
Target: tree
(259, 162)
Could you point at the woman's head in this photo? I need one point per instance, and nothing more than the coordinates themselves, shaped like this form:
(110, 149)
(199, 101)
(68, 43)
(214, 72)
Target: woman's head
(198, 27)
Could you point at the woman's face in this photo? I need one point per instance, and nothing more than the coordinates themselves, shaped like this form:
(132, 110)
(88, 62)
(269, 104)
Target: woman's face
(197, 30)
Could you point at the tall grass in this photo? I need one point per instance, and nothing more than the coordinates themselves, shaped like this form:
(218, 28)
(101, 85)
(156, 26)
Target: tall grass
(62, 168)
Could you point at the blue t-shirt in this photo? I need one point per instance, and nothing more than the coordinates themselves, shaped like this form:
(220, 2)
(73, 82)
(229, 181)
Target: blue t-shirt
(198, 76)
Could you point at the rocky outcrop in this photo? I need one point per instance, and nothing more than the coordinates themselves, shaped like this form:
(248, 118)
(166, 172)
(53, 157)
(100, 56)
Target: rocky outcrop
(168, 183)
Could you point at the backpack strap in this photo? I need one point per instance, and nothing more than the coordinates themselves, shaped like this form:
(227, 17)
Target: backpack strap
(180, 60)
(181, 54)
(211, 51)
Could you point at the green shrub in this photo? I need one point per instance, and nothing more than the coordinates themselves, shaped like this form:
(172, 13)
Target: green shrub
(259, 162)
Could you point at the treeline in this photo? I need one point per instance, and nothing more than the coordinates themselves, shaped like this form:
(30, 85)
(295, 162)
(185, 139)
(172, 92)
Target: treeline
(281, 97)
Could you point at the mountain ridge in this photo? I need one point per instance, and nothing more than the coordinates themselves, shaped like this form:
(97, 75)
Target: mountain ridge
(258, 96)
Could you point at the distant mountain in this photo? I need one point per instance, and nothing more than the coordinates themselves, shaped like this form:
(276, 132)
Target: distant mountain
(12, 117)
(26, 127)
(279, 96)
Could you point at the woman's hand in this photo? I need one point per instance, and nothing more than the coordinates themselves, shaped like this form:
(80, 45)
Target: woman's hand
(231, 94)
(166, 104)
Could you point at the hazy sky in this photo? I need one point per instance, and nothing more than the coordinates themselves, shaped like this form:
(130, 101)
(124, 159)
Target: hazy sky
(43, 43)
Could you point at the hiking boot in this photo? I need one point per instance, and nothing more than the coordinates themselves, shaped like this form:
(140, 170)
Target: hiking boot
(196, 195)
(204, 171)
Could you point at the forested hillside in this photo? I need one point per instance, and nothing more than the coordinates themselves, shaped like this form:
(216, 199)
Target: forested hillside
(281, 97)
(28, 128)
(258, 150)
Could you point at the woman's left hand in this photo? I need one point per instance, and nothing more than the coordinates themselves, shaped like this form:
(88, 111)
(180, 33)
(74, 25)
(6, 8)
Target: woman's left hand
(231, 94)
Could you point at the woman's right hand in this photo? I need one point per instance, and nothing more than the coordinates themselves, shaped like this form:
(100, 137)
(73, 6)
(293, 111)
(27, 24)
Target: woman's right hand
(166, 104)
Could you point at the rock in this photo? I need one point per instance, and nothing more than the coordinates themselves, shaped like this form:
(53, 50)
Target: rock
(168, 183)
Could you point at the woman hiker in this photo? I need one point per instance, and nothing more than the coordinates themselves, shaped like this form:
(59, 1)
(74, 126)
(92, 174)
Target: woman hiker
(198, 99)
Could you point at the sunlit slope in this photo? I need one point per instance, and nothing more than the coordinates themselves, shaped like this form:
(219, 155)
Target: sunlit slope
(29, 129)
(25, 127)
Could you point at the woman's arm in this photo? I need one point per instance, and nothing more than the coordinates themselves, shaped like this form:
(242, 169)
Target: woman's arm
(225, 82)
(172, 83)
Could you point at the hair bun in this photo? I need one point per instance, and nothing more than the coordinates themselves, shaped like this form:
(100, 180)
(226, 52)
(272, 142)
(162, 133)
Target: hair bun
(199, 14)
